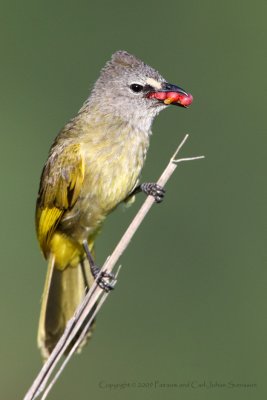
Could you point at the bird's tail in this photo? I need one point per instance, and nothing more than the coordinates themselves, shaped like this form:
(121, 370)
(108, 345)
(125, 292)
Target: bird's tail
(63, 292)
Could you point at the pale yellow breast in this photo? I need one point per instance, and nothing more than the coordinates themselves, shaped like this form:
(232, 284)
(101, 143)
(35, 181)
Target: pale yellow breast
(112, 168)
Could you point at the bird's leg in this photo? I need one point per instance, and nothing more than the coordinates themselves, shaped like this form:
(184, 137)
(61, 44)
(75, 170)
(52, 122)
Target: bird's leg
(105, 280)
(151, 189)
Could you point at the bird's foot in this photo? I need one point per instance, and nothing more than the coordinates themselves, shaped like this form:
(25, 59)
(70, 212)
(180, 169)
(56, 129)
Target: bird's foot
(106, 280)
(153, 189)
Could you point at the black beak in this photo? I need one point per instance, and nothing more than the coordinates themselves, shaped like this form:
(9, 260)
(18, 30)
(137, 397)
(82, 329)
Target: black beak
(169, 87)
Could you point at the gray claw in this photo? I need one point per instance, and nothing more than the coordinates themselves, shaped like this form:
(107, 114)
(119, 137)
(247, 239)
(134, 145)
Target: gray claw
(155, 190)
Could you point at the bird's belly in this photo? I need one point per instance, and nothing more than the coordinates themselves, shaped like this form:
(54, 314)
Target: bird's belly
(104, 187)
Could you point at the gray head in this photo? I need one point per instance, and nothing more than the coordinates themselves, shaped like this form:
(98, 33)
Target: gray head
(132, 90)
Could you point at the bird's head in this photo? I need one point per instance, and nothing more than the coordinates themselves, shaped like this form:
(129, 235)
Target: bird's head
(132, 90)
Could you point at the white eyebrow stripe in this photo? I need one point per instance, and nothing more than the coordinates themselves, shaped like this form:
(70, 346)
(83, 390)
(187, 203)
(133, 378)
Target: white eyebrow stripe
(152, 82)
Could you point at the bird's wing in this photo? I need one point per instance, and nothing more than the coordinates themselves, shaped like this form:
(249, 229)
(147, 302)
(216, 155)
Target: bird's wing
(60, 187)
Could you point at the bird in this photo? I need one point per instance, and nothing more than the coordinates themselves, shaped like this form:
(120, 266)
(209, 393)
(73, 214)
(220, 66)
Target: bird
(94, 165)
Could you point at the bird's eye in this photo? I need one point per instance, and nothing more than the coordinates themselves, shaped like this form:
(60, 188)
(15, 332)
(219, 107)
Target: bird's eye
(136, 88)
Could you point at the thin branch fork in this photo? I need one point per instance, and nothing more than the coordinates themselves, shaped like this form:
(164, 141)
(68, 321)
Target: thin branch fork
(95, 296)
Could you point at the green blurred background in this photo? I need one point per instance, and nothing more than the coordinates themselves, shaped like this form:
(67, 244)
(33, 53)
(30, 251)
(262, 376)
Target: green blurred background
(190, 305)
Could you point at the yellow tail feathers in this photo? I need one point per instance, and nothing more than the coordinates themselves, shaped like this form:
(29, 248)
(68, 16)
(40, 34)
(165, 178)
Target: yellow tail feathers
(63, 292)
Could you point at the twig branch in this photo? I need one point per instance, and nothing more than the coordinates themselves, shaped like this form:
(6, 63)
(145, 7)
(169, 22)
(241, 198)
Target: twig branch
(77, 343)
(95, 295)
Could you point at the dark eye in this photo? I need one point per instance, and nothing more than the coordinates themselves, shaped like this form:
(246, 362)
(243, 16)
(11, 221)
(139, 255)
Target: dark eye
(136, 88)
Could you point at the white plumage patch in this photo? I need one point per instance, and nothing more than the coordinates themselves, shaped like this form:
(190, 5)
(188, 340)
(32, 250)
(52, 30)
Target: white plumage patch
(152, 82)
